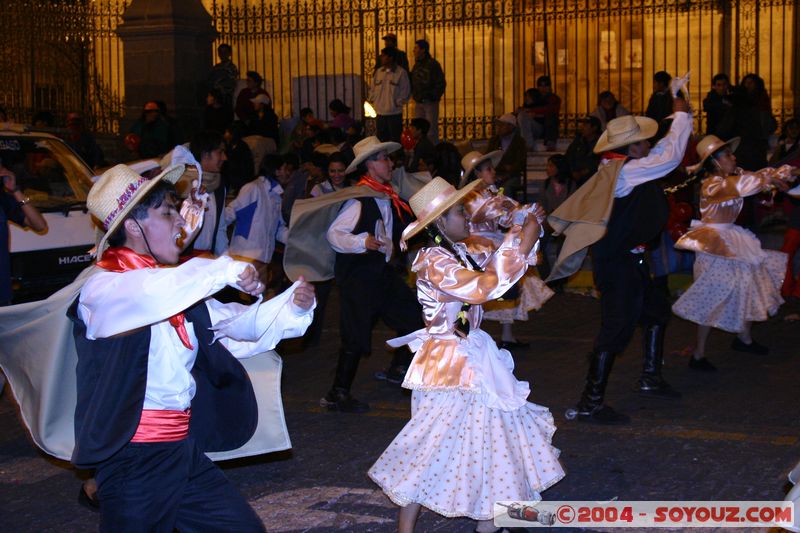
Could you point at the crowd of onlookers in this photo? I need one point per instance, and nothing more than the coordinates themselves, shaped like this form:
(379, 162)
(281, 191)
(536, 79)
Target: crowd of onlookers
(305, 157)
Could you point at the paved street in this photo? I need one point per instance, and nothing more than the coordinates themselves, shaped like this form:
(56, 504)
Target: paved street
(733, 435)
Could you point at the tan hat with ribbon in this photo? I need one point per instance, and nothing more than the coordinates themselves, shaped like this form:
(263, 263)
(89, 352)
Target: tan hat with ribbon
(431, 201)
(471, 161)
(709, 144)
(116, 193)
(367, 147)
(625, 130)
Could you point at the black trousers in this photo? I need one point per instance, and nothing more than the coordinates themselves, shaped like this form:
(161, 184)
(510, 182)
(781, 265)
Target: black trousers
(365, 300)
(159, 487)
(389, 127)
(627, 298)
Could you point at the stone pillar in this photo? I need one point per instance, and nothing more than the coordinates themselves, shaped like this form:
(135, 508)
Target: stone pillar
(167, 47)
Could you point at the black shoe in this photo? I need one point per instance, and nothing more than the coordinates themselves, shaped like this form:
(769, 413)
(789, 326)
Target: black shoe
(753, 347)
(93, 504)
(656, 387)
(513, 345)
(394, 375)
(604, 415)
(702, 364)
(343, 402)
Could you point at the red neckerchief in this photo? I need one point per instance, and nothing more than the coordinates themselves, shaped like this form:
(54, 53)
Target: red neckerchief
(122, 259)
(386, 189)
(613, 155)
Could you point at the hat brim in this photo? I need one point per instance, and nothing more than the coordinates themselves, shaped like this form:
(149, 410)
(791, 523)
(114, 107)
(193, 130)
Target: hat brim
(422, 223)
(495, 157)
(171, 174)
(387, 147)
(647, 129)
(733, 144)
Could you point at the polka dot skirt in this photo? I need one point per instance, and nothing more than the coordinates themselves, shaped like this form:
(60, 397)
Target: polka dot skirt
(457, 457)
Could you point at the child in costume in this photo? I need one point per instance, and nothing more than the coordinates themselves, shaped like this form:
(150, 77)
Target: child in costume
(473, 438)
(490, 212)
(735, 281)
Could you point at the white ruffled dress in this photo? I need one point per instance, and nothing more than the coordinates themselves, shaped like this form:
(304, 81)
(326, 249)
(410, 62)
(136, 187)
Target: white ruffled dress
(473, 438)
(735, 280)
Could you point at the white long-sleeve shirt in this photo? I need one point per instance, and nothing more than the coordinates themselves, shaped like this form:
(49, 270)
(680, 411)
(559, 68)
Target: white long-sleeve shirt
(340, 234)
(257, 213)
(113, 303)
(663, 158)
(390, 90)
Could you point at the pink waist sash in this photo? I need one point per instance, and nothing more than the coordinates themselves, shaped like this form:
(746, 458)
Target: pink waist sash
(157, 425)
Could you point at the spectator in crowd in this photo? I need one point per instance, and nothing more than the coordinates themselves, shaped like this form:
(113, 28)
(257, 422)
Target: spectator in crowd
(256, 210)
(717, 102)
(153, 130)
(608, 108)
(557, 188)
(315, 137)
(427, 87)
(264, 122)
(787, 142)
(224, 76)
(302, 181)
(43, 119)
(208, 149)
(580, 156)
(515, 155)
(660, 105)
(447, 163)
(401, 58)
(341, 115)
(301, 131)
(17, 208)
(239, 167)
(545, 112)
(423, 156)
(337, 142)
(217, 115)
(175, 132)
(354, 133)
(82, 141)
(245, 108)
(334, 178)
(388, 94)
(750, 118)
(529, 128)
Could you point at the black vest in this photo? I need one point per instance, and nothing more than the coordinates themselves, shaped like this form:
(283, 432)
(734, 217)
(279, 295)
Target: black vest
(368, 266)
(112, 376)
(635, 219)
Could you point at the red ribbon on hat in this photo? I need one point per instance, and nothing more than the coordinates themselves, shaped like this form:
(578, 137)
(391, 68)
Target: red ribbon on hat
(389, 191)
(122, 259)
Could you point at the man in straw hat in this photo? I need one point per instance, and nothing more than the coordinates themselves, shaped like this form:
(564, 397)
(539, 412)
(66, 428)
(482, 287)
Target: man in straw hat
(616, 212)
(159, 383)
(364, 236)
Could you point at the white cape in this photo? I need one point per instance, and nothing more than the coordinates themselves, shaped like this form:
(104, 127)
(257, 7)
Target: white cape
(37, 354)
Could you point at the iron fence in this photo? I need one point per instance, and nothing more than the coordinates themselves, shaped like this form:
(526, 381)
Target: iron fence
(63, 55)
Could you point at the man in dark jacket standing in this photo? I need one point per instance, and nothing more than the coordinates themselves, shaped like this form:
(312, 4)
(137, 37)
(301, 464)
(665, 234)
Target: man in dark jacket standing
(427, 87)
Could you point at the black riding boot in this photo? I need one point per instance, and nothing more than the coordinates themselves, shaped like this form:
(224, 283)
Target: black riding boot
(651, 384)
(339, 398)
(396, 372)
(591, 408)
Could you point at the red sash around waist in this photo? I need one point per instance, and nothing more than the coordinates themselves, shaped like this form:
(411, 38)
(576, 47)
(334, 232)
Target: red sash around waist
(159, 425)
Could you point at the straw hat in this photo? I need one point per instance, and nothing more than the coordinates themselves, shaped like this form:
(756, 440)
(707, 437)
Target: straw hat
(472, 160)
(431, 201)
(367, 147)
(261, 99)
(117, 192)
(625, 130)
(710, 144)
